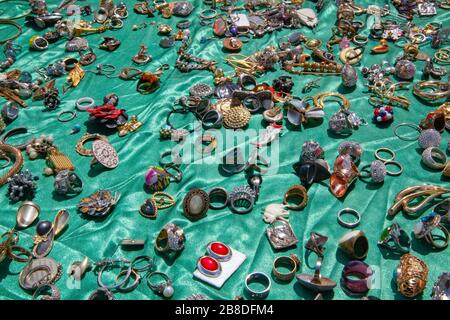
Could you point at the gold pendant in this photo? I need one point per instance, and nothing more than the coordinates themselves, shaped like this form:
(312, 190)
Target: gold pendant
(58, 161)
(75, 76)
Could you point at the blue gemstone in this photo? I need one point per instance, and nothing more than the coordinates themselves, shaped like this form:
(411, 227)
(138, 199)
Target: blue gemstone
(26, 77)
(76, 128)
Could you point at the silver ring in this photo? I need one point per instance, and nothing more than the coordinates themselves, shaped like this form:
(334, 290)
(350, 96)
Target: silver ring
(72, 116)
(434, 158)
(165, 288)
(175, 158)
(81, 103)
(104, 264)
(148, 266)
(259, 277)
(351, 211)
(101, 293)
(204, 16)
(115, 23)
(101, 15)
(395, 163)
(242, 199)
(360, 40)
(387, 150)
(246, 80)
(418, 37)
(212, 119)
(410, 125)
(117, 12)
(39, 44)
(216, 193)
(54, 292)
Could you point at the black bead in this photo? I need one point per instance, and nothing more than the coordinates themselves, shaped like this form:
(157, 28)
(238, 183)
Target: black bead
(43, 227)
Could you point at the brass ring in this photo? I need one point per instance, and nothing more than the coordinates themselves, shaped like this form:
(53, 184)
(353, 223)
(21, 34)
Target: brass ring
(296, 191)
(291, 262)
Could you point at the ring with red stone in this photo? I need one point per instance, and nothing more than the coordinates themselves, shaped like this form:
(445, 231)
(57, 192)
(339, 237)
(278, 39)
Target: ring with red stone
(209, 266)
(219, 251)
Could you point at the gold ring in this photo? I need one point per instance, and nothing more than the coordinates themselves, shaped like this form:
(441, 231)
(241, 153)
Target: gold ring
(412, 275)
(292, 263)
(294, 193)
(355, 244)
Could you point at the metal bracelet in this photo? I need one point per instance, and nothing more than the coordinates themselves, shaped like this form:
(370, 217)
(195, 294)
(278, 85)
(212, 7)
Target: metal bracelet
(410, 125)
(13, 132)
(72, 116)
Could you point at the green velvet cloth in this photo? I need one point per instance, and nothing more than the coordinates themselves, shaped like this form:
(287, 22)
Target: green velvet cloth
(246, 233)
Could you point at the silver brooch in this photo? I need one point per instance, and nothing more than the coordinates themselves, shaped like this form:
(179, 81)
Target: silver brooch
(105, 154)
(281, 235)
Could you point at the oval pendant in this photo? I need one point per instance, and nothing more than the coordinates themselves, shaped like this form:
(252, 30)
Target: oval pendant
(27, 214)
(219, 27)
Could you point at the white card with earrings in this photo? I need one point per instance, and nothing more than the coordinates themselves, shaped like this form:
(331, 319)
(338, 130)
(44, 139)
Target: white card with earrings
(228, 268)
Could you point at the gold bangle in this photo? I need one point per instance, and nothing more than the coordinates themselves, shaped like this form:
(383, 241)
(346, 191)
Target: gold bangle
(442, 90)
(7, 149)
(86, 137)
(319, 100)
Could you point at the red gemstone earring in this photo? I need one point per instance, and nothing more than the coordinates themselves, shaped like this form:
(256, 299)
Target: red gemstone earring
(209, 266)
(219, 251)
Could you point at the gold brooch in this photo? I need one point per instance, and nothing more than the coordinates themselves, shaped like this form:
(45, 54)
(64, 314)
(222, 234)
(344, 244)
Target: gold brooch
(236, 117)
